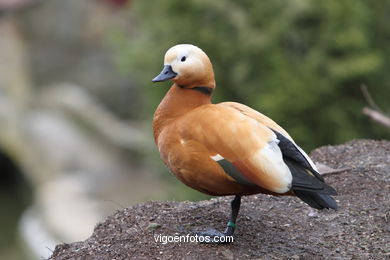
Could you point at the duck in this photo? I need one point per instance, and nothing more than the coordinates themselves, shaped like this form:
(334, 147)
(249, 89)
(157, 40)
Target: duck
(227, 148)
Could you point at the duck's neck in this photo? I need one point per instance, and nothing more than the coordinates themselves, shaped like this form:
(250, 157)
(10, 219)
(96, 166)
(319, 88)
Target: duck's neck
(177, 102)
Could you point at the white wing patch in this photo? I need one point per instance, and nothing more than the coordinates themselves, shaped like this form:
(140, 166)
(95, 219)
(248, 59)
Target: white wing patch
(217, 157)
(275, 175)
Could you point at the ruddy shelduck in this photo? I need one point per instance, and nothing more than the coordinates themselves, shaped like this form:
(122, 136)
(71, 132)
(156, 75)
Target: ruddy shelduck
(227, 148)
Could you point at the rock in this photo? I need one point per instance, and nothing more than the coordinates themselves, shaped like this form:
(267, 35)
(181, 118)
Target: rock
(264, 234)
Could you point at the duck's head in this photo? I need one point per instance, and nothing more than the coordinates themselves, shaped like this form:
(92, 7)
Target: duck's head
(188, 66)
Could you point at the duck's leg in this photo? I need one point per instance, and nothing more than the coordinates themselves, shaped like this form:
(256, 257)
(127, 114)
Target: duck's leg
(216, 237)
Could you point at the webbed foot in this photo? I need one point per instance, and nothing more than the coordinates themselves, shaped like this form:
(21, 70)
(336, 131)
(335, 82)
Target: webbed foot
(212, 236)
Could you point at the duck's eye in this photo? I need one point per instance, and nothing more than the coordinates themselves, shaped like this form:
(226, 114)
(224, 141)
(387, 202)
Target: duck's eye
(183, 59)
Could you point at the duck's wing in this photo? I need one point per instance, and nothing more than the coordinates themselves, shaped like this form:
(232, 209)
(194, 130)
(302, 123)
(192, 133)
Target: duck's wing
(307, 183)
(254, 149)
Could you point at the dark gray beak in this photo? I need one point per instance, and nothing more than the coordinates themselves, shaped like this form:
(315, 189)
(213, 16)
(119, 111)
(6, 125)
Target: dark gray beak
(166, 74)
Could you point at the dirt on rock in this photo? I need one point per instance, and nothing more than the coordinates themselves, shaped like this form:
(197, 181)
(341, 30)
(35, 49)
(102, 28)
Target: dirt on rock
(267, 227)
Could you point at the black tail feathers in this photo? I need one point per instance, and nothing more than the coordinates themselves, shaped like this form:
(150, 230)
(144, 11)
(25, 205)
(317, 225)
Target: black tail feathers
(310, 188)
(317, 200)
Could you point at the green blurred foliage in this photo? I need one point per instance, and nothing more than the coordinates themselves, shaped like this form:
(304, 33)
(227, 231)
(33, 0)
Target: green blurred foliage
(301, 62)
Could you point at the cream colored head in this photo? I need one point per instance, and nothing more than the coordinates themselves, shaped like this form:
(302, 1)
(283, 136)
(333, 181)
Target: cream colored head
(187, 66)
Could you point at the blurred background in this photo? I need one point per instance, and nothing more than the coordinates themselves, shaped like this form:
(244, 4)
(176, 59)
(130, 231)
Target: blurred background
(76, 98)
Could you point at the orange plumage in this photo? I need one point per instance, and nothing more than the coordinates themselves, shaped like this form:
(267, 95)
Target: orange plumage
(227, 148)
